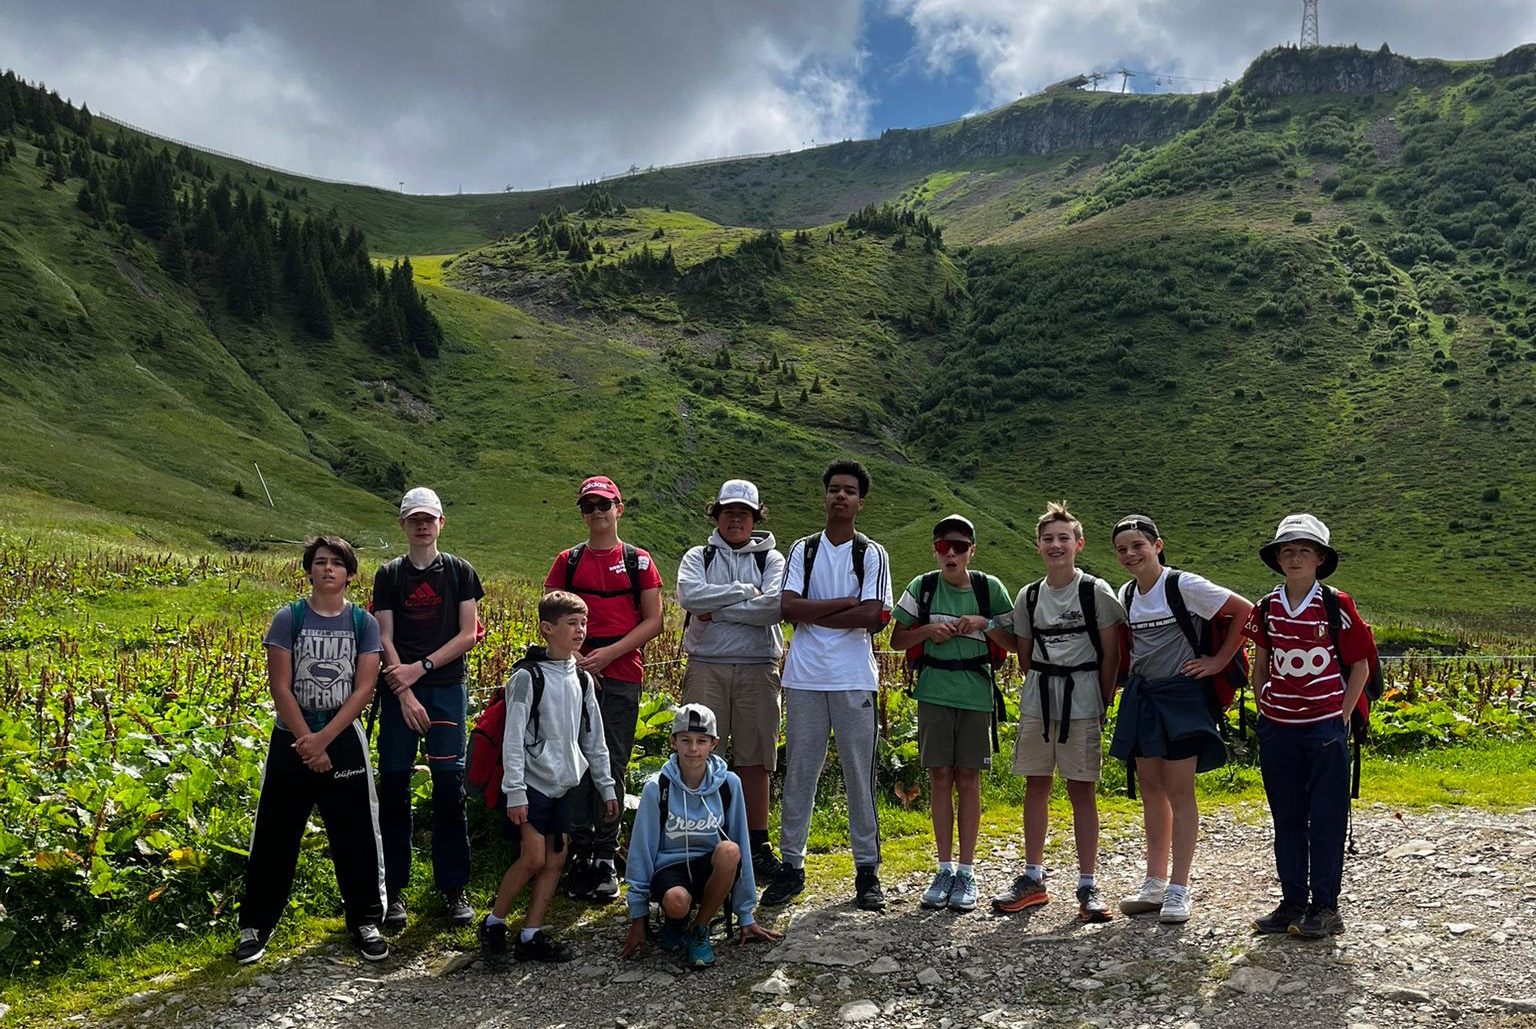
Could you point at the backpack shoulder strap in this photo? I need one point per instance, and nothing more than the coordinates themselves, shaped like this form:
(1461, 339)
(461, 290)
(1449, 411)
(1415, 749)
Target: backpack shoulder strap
(812, 543)
(761, 557)
(709, 555)
(925, 590)
(588, 688)
(981, 589)
(663, 794)
(632, 569)
(860, 548)
(1089, 603)
(296, 611)
(1175, 598)
(1127, 594)
(572, 561)
(536, 701)
(359, 625)
(725, 808)
(1335, 623)
(1031, 599)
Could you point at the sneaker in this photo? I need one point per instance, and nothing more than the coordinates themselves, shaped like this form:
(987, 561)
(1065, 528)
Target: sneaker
(701, 953)
(1027, 892)
(1090, 904)
(604, 882)
(1317, 923)
(1148, 898)
(867, 894)
(493, 940)
(459, 911)
(937, 893)
(1281, 919)
(963, 897)
(765, 863)
(543, 947)
(579, 876)
(673, 936)
(785, 885)
(394, 916)
(251, 947)
(370, 943)
(1176, 906)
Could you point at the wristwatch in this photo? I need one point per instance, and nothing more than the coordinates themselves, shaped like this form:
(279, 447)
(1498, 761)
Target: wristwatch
(426, 664)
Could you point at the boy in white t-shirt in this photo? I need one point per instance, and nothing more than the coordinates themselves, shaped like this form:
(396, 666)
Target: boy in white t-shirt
(837, 591)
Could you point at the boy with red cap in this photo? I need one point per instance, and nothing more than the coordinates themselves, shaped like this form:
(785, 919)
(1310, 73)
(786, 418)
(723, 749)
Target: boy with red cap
(622, 589)
(1311, 681)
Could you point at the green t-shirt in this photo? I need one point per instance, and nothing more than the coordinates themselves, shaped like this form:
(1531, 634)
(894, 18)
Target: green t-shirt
(970, 691)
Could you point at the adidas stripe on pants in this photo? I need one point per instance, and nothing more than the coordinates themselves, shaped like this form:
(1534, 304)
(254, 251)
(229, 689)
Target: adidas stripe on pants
(852, 719)
(349, 807)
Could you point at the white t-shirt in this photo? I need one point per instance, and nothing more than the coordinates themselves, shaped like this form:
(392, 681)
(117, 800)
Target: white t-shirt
(834, 659)
(1159, 648)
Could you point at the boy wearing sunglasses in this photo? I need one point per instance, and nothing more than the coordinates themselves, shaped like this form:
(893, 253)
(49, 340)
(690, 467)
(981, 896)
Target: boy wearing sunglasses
(941, 611)
(622, 589)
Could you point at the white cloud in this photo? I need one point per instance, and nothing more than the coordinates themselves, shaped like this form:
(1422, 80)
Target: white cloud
(478, 94)
(1021, 45)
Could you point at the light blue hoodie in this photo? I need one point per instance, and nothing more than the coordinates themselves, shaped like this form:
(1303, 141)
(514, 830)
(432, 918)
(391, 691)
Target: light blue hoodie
(695, 818)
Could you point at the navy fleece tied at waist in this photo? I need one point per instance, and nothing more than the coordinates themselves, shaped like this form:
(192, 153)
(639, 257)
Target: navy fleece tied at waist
(1157, 712)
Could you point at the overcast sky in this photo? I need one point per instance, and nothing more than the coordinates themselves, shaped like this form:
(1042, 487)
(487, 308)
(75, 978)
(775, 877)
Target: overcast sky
(482, 94)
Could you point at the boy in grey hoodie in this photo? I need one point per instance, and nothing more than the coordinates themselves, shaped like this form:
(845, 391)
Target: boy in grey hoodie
(553, 736)
(730, 589)
(683, 847)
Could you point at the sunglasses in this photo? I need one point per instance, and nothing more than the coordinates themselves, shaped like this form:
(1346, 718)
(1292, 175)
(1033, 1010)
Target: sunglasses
(589, 506)
(951, 546)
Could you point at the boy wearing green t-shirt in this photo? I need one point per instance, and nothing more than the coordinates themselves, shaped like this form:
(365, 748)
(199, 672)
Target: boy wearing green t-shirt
(942, 612)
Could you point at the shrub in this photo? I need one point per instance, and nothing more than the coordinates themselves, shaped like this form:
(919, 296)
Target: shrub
(1302, 217)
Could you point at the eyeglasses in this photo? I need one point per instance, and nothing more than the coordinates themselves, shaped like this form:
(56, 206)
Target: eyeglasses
(589, 506)
(951, 546)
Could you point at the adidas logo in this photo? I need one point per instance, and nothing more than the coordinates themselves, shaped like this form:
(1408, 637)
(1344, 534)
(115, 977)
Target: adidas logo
(867, 703)
(423, 596)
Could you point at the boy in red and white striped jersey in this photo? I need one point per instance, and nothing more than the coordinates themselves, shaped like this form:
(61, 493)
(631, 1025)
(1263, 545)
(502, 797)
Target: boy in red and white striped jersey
(1306, 691)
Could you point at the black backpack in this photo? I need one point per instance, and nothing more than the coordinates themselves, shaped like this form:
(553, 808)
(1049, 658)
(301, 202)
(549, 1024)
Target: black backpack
(813, 544)
(1049, 671)
(983, 664)
(664, 791)
(631, 568)
(760, 556)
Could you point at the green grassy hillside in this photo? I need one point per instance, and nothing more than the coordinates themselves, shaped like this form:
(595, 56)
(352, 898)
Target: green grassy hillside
(1316, 296)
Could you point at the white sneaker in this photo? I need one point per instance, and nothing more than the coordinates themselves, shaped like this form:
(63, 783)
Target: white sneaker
(1148, 898)
(1175, 906)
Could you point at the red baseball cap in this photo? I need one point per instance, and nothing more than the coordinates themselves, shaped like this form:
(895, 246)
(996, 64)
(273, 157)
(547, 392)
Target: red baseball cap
(599, 486)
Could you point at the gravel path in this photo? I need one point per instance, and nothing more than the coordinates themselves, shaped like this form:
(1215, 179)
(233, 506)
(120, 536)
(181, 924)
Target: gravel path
(1441, 909)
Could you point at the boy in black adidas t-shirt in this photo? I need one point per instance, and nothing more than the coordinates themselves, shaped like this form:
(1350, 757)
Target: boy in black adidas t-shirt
(426, 603)
(322, 662)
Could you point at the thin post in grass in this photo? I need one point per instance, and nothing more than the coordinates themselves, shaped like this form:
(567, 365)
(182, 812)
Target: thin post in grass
(264, 489)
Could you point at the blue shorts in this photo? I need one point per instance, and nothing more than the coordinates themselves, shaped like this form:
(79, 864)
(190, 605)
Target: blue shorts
(399, 744)
(550, 818)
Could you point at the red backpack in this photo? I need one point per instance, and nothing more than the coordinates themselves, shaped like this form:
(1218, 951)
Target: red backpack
(1206, 639)
(483, 765)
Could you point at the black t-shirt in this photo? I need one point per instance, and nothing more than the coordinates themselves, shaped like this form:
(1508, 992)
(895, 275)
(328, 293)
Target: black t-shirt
(425, 603)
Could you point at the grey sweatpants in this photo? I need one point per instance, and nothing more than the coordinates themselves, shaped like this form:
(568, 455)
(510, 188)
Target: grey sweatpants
(851, 718)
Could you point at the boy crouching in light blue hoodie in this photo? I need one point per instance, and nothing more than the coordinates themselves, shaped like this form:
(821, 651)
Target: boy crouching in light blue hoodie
(685, 848)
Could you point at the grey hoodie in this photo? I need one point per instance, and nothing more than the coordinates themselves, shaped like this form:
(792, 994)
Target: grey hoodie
(743, 626)
(554, 762)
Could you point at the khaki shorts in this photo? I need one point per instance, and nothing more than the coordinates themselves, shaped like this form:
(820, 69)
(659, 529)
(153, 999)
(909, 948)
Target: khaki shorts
(747, 707)
(1080, 758)
(952, 737)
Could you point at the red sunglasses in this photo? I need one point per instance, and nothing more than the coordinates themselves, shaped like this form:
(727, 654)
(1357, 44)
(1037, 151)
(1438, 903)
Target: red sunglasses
(951, 546)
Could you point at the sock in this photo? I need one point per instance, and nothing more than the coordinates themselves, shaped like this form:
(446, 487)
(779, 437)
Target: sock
(491, 919)
(528, 934)
(758, 839)
(1036, 872)
(947, 866)
(605, 863)
(1084, 880)
(967, 869)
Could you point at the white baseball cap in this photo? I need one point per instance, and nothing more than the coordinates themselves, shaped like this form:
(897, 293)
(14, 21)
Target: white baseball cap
(739, 491)
(694, 718)
(420, 498)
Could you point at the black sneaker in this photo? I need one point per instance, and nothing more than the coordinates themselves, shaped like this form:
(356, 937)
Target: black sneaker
(605, 882)
(543, 947)
(867, 894)
(579, 877)
(785, 885)
(370, 943)
(493, 941)
(252, 945)
(459, 911)
(394, 916)
(1317, 923)
(1281, 919)
(765, 863)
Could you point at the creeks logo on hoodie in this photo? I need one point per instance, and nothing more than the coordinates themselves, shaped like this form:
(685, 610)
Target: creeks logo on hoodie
(681, 828)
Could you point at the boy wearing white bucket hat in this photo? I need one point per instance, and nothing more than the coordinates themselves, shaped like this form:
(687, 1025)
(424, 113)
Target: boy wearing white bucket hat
(1307, 684)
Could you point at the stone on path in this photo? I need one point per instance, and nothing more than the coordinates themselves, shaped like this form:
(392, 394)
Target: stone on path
(1253, 979)
(1413, 848)
(859, 1011)
(456, 963)
(1519, 1005)
(883, 965)
(929, 976)
(1405, 995)
(776, 985)
(1459, 928)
